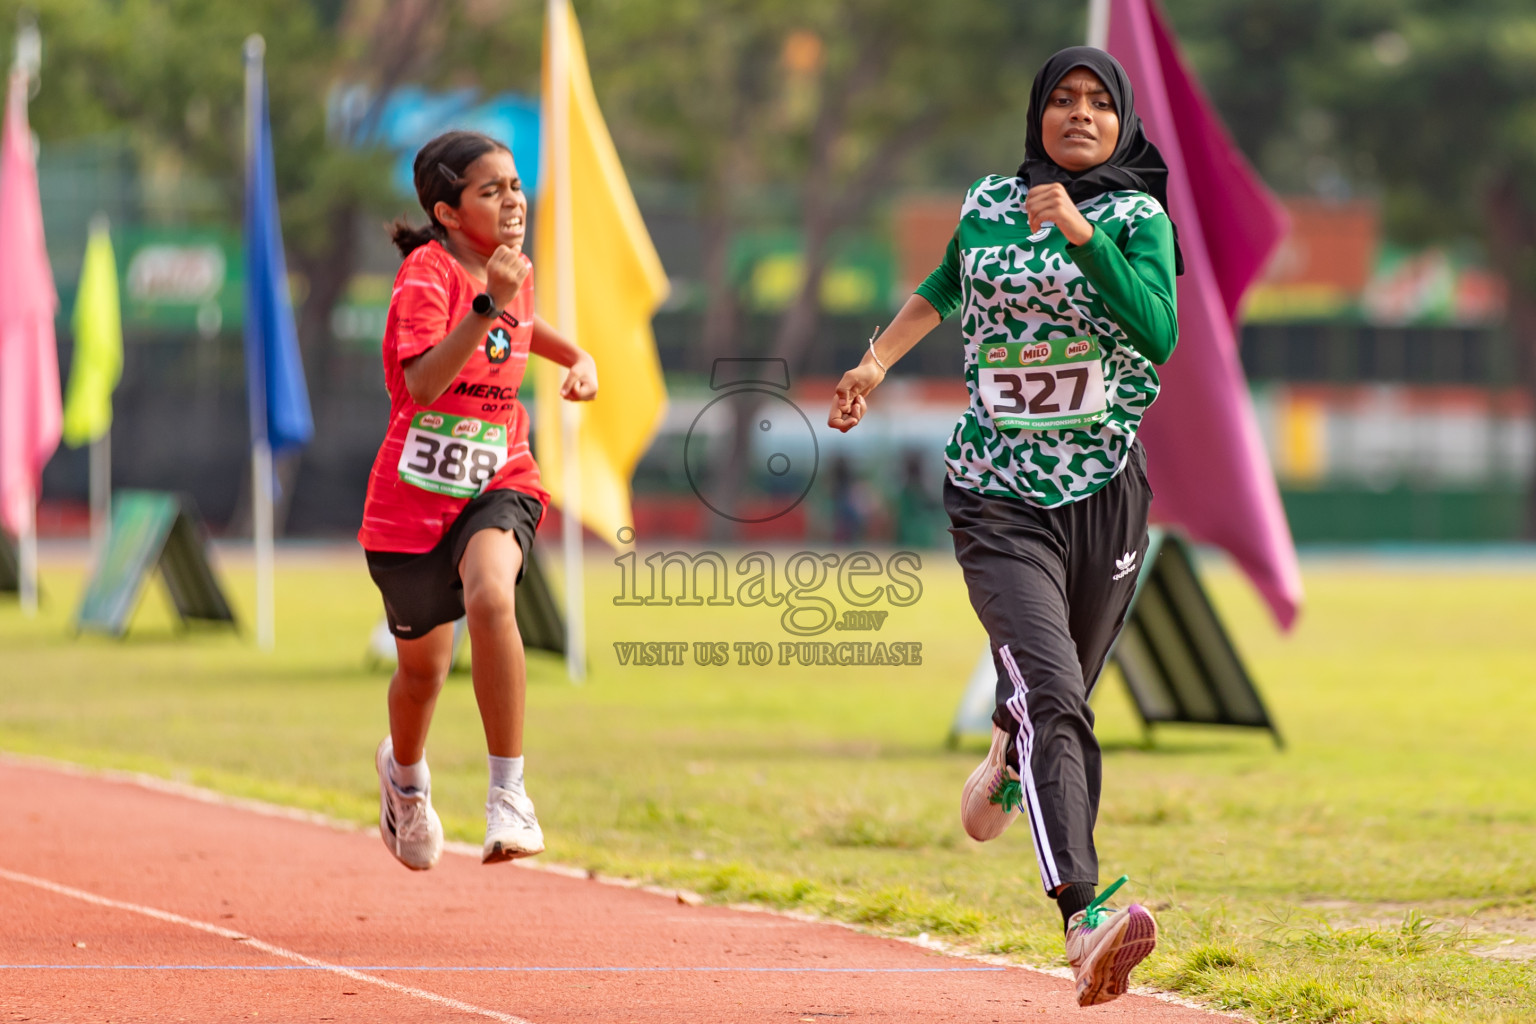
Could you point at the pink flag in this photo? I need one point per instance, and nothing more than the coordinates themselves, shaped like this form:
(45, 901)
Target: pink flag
(1208, 464)
(31, 413)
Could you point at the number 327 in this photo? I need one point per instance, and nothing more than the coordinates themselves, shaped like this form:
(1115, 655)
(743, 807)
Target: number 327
(1013, 400)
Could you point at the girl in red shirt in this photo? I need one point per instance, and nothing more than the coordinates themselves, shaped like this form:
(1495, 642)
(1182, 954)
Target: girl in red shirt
(454, 496)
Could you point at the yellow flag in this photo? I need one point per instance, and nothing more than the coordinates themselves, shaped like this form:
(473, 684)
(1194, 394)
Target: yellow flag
(614, 280)
(98, 360)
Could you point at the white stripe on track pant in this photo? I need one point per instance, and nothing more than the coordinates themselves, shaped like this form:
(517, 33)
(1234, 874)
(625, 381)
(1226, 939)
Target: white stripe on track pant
(1043, 582)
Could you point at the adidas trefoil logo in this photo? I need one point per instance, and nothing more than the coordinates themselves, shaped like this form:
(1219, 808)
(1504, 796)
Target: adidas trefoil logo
(1126, 564)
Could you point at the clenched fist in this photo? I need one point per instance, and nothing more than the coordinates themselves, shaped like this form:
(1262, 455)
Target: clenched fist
(580, 384)
(505, 273)
(1050, 203)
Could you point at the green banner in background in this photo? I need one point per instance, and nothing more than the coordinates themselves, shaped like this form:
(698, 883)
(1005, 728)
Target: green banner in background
(769, 267)
(360, 317)
(184, 279)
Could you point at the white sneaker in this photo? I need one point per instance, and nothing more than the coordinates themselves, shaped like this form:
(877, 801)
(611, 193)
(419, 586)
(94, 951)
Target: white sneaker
(407, 823)
(511, 828)
(1103, 946)
(992, 796)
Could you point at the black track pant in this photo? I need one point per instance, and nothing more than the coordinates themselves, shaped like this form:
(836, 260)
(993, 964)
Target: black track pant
(1052, 587)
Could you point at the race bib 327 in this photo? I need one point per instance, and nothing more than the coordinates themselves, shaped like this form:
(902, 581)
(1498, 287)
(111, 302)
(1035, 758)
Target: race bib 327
(1042, 385)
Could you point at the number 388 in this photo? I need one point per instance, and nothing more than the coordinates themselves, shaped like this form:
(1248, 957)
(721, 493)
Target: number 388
(457, 461)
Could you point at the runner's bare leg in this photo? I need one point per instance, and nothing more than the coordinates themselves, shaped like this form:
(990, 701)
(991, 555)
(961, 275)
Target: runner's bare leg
(489, 570)
(423, 666)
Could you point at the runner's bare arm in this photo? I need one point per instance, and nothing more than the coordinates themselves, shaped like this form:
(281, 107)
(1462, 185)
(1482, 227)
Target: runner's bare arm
(428, 375)
(910, 326)
(580, 384)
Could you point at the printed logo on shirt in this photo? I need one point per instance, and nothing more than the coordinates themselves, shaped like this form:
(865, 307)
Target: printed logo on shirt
(1034, 353)
(493, 391)
(1126, 563)
(498, 344)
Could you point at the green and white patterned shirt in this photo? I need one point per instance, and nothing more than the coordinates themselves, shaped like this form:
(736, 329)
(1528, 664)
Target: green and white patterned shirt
(1092, 318)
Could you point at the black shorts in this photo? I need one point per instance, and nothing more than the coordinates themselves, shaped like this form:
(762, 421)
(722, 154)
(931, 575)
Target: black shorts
(423, 590)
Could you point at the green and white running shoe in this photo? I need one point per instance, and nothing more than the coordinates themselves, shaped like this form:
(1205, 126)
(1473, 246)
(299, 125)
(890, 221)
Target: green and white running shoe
(992, 795)
(407, 823)
(1103, 945)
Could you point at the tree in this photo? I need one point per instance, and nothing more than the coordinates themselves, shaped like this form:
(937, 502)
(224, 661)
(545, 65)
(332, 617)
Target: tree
(1446, 100)
(1429, 103)
(168, 75)
(833, 101)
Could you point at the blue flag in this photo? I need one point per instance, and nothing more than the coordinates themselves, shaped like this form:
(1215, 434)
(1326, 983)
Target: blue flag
(279, 401)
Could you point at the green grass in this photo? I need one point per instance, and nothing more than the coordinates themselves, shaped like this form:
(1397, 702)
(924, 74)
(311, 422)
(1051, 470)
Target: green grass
(1360, 875)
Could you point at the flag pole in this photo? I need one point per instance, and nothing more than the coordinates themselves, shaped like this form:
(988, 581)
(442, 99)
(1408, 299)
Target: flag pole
(101, 464)
(26, 558)
(101, 494)
(565, 290)
(1098, 23)
(261, 448)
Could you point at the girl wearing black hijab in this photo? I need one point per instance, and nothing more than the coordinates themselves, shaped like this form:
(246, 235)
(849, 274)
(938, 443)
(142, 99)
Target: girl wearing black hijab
(1064, 278)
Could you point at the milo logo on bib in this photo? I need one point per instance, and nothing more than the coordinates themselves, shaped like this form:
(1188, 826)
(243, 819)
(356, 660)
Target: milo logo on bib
(1042, 385)
(454, 455)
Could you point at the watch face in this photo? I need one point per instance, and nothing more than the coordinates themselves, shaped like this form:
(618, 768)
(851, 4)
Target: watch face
(483, 304)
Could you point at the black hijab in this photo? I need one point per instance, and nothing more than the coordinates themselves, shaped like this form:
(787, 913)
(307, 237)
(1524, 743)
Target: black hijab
(1135, 164)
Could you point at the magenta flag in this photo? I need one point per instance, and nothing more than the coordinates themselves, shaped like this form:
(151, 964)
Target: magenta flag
(31, 406)
(1207, 460)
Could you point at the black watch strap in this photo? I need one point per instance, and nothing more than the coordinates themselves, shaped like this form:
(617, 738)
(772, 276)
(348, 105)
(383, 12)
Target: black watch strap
(485, 306)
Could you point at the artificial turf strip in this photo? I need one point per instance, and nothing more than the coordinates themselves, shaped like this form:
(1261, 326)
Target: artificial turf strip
(1361, 875)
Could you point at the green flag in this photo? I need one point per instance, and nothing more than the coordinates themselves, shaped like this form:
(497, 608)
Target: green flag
(98, 362)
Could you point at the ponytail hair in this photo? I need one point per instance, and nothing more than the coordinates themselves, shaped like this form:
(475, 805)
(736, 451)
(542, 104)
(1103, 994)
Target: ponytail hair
(439, 175)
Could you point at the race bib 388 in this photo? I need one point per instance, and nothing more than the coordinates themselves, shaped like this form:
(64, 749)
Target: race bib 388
(456, 455)
(1043, 385)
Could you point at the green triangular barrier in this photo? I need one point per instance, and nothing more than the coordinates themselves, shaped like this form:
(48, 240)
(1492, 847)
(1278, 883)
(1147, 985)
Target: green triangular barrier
(150, 530)
(10, 570)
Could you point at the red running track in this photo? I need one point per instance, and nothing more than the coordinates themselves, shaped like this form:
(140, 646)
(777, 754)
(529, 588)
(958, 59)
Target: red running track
(125, 902)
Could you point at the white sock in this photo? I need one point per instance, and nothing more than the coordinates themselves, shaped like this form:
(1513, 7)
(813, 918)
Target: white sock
(407, 777)
(506, 772)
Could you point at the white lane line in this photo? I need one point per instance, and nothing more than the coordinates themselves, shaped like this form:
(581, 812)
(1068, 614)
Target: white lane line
(255, 943)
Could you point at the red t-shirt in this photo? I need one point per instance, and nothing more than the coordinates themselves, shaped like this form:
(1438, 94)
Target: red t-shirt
(432, 294)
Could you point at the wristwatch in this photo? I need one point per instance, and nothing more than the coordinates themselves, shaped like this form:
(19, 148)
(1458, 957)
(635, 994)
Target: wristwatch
(485, 306)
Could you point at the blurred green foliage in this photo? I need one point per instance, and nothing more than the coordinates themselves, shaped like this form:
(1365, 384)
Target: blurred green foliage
(1424, 102)
(1429, 105)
